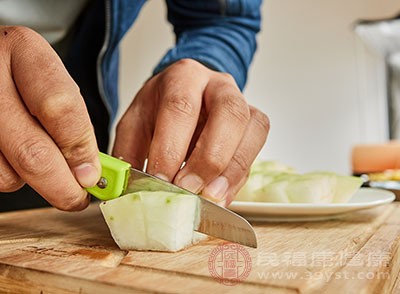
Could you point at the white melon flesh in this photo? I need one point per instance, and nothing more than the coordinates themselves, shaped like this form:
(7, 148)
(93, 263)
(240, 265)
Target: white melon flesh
(261, 175)
(345, 188)
(275, 182)
(311, 189)
(158, 221)
(273, 192)
(270, 166)
(254, 183)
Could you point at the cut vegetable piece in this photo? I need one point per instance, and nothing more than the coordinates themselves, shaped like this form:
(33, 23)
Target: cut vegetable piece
(274, 192)
(256, 182)
(265, 167)
(311, 188)
(345, 188)
(247, 192)
(125, 219)
(160, 221)
(272, 181)
(198, 237)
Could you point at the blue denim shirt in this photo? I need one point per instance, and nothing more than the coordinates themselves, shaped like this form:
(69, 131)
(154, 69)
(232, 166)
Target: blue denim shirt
(221, 34)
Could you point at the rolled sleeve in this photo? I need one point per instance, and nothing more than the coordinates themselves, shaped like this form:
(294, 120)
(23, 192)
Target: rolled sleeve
(220, 34)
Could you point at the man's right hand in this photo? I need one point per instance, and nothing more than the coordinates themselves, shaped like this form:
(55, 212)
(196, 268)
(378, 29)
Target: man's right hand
(46, 137)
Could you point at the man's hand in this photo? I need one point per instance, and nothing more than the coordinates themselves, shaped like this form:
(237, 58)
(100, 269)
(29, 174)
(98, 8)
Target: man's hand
(46, 138)
(189, 113)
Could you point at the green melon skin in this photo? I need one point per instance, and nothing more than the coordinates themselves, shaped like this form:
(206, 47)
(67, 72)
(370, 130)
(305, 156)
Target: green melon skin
(149, 220)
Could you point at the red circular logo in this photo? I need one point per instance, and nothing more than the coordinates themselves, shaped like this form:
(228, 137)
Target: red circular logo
(229, 264)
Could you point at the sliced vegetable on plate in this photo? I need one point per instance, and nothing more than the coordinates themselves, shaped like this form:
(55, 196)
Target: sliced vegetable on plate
(276, 182)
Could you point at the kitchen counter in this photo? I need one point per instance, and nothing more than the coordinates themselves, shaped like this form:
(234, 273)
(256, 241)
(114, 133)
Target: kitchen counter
(49, 251)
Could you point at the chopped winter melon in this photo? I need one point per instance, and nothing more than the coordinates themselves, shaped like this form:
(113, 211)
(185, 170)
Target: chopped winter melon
(254, 183)
(273, 192)
(265, 167)
(160, 221)
(345, 188)
(295, 188)
(274, 182)
(262, 173)
(311, 189)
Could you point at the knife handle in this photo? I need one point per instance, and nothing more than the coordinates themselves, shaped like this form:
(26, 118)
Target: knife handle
(114, 178)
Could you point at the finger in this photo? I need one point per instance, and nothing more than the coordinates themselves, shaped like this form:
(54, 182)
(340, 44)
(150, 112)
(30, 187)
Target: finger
(32, 153)
(38, 161)
(54, 99)
(225, 187)
(9, 179)
(134, 131)
(199, 129)
(227, 200)
(35, 157)
(180, 95)
(228, 115)
(232, 192)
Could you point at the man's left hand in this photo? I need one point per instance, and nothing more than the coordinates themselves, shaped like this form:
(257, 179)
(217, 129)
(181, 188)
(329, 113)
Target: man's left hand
(190, 113)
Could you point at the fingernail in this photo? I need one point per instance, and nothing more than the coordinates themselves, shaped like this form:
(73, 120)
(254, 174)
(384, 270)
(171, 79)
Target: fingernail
(222, 203)
(191, 182)
(162, 177)
(217, 188)
(87, 175)
(83, 204)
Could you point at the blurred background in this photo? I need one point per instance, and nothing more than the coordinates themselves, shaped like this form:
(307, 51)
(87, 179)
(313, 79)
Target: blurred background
(322, 87)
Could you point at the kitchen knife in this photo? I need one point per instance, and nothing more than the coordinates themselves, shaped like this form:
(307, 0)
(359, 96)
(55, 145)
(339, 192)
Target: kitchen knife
(119, 178)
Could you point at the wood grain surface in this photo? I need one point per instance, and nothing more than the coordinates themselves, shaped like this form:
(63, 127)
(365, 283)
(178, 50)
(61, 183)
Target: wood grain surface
(49, 251)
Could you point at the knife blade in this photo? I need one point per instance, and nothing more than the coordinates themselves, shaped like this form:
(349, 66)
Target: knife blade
(119, 178)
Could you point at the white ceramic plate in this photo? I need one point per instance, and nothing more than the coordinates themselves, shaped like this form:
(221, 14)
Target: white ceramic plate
(267, 211)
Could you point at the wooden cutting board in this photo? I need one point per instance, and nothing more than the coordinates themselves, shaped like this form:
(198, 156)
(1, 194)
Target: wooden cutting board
(49, 251)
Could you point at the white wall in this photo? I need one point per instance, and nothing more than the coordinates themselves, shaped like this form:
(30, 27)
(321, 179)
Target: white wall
(321, 87)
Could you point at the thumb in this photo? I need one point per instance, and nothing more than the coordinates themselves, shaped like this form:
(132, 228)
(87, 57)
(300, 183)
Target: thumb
(54, 99)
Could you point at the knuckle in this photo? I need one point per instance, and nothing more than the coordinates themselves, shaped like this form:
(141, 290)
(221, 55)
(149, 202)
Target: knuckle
(56, 107)
(175, 98)
(168, 157)
(227, 77)
(261, 119)
(185, 62)
(75, 140)
(34, 157)
(180, 104)
(78, 147)
(214, 162)
(9, 181)
(241, 163)
(236, 107)
(171, 155)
